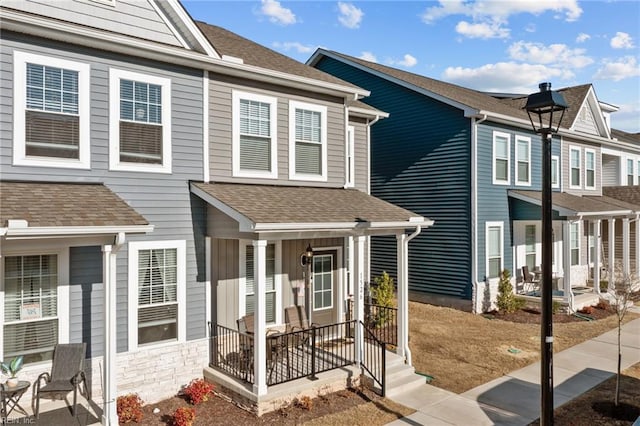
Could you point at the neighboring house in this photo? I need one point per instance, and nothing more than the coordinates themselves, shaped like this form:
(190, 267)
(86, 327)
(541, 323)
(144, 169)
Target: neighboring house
(158, 176)
(471, 161)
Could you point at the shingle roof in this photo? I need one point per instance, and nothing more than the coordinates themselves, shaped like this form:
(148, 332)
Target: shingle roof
(228, 43)
(625, 136)
(580, 204)
(64, 204)
(297, 204)
(628, 194)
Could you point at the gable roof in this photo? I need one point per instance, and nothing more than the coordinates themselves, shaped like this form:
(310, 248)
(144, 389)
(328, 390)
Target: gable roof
(623, 136)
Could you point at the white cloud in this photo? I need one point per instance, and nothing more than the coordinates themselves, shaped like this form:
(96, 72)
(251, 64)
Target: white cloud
(368, 56)
(276, 13)
(350, 16)
(582, 37)
(509, 77)
(622, 41)
(293, 45)
(625, 67)
(484, 30)
(626, 118)
(482, 10)
(553, 54)
(407, 61)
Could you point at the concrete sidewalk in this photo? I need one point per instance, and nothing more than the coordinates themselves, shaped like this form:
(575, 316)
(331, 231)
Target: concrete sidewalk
(515, 398)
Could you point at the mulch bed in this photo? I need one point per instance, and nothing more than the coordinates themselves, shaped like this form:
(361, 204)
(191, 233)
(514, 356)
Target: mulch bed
(532, 315)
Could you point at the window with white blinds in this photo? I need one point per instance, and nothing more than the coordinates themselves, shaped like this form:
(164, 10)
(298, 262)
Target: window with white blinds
(501, 158)
(270, 288)
(255, 135)
(494, 249)
(308, 141)
(157, 295)
(30, 306)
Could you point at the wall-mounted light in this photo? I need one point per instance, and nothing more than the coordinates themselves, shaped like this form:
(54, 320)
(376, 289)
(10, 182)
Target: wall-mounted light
(305, 258)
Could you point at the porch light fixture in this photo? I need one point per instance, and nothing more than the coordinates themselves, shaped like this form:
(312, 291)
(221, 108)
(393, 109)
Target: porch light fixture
(543, 109)
(305, 258)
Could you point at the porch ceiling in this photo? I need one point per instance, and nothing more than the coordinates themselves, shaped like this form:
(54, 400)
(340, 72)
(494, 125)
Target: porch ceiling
(576, 206)
(278, 208)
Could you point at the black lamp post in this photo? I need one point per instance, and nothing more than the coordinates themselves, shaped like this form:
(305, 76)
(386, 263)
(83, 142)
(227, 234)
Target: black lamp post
(541, 108)
(305, 260)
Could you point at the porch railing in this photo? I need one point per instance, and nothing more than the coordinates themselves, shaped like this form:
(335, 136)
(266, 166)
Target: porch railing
(381, 321)
(374, 359)
(231, 352)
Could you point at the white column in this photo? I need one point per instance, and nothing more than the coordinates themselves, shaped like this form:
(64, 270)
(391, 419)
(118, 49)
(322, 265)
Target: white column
(110, 385)
(259, 337)
(625, 247)
(597, 237)
(403, 296)
(359, 277)
(566, 260)
(612, 251)
(207, 289)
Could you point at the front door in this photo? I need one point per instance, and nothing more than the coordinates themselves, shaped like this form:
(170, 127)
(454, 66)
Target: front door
(324, 288)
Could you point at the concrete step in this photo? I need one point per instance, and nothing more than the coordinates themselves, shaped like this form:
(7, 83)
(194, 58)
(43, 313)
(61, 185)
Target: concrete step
(404, 383)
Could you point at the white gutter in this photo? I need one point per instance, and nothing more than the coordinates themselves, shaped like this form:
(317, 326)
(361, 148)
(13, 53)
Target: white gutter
(65, 231)
(407, 350)
(89, 37)
(271, 227)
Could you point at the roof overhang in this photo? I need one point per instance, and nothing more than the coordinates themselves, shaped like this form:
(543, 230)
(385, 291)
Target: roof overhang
(21, 230)
(609, 210)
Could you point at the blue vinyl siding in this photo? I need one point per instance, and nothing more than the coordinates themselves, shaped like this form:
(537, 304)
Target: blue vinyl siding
(420, 160)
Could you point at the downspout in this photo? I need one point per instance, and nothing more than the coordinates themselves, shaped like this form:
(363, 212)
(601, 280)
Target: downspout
(474, 206)
(405, 316)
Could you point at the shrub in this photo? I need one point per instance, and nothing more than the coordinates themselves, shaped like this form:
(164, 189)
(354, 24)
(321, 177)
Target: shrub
(184, 416)
(603, 304)
(587, 310)
(198, 391)
(383, 293)
(129, 408)
(507, 301)
(556, 307)
(304, 402)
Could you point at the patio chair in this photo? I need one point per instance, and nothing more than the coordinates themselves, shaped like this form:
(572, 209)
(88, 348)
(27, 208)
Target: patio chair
(67, 374)
(296, 319)
(246, 327)
(531, 283)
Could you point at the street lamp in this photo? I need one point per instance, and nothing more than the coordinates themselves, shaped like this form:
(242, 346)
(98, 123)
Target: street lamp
(541, 108)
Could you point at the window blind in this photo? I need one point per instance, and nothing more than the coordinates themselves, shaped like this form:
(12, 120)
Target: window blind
(140, 122)
(308, 142)
(255, 135)
(270, 288)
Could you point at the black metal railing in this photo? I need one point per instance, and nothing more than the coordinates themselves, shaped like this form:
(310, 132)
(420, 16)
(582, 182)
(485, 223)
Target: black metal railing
(374, 358)
(231, 352)
(381, 321)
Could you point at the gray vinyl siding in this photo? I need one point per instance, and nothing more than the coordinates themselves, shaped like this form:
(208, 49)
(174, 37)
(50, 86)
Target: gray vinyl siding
(163, 199)
(220, 133)
(361, 149)
(567, 144)
(420, 160)
(610, 170)
(136, 18)
(86, 295)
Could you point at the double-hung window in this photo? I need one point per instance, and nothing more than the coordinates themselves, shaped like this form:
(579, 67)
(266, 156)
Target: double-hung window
(51, 112)
(272, 281)
(530, 246)
(574, 164)
(494, 249)
(555, 171)
(574, 243)
(630, 172)
(350, 163)
(140, 122)
(156, 298)
(590, 169)
(501, 158)
(308, 141)
(523, 158)
(254, 135)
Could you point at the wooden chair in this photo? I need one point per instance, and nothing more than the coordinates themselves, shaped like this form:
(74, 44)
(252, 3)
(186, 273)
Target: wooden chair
(531, 284)
(67, 373)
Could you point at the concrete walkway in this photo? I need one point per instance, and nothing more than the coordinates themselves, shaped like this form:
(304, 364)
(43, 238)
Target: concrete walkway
(515, 398)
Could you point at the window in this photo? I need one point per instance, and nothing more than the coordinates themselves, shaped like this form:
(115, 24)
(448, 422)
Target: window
(574, 158)
(574, 243)
(630, 173)
(32, 302)
(530, 246)
(157, 274)
(350, 164)
(254, 135)
(140, 122)
(592, 241)
(523, 158)
(590, 169)
(51, 112)
(501, 158)
(308, 141)
(322, 281)
(270, 289)
(555, 171)
(494, 249)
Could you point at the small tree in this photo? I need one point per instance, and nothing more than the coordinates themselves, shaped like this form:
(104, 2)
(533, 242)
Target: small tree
(507, 300)
(620, 294)
(383, 291)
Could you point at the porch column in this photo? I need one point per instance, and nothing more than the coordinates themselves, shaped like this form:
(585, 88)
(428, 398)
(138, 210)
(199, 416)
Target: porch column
(359, 276)
(596, 255)
(612, 252)
(110, 385)
(625, 247)
(566, 261)
(259, 337)
(403, 297)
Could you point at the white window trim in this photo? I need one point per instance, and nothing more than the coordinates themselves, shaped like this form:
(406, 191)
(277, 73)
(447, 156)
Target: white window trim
(235, 131)
(20, 60)
(586, 185)
(626, 170)
(486, 248)
(571, 224)
(115, 75)
(350, 161)
(242, 273)
(557, 170)
(293, 105)
(493, 159)
(528, 141)
(63, 291)
(333, 286)
(579, 151)
(181, 294)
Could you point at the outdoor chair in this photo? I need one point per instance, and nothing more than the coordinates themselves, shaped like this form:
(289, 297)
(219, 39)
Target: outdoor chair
(531, 283)
(296, 321)
(67, 374)
(275, 344)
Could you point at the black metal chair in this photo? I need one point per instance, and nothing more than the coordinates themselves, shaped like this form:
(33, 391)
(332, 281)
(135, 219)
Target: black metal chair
(67, 374)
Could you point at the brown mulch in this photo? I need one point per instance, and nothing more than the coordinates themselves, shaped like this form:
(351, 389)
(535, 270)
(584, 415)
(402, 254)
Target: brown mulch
(532, 315)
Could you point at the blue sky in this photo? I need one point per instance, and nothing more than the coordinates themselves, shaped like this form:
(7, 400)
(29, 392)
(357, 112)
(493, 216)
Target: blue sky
(502, 46)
